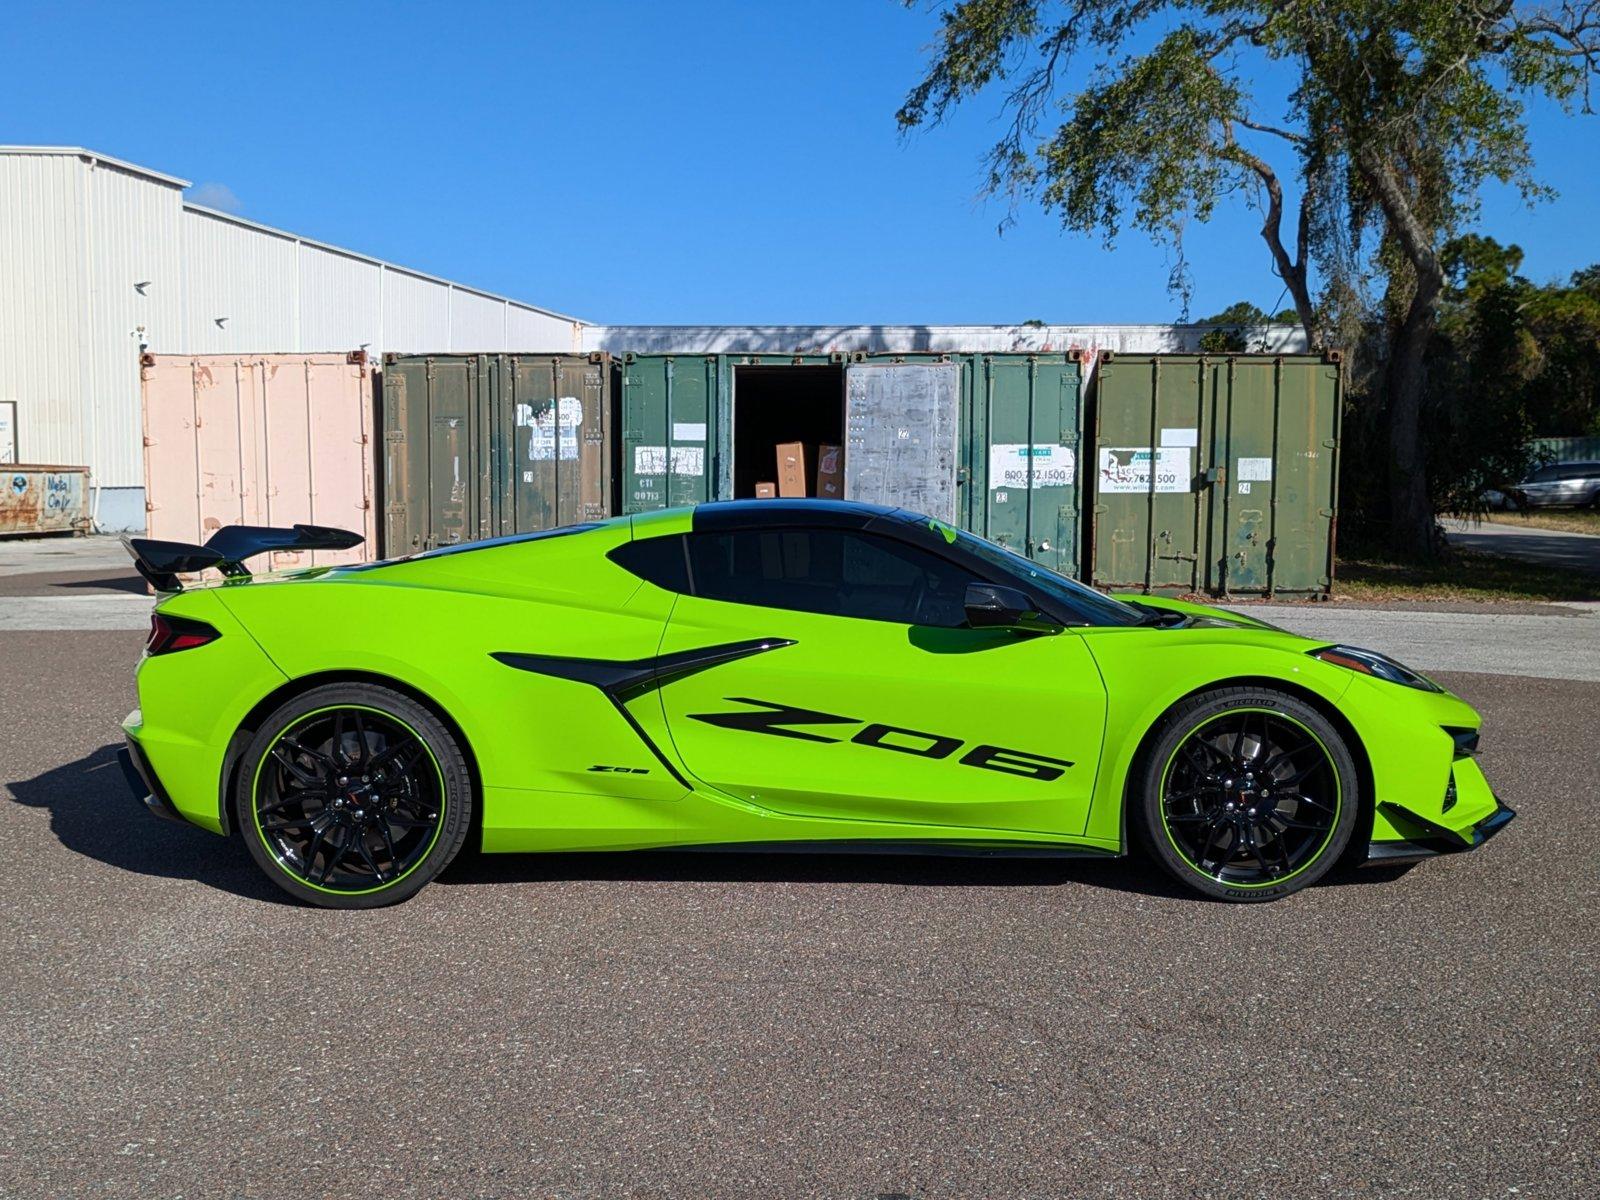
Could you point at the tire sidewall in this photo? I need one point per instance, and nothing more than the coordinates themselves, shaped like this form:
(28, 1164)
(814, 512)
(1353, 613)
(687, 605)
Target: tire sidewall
(447, 756)
(1176, 726)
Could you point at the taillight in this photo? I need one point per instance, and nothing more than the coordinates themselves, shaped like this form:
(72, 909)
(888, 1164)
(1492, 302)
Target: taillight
(171, 634)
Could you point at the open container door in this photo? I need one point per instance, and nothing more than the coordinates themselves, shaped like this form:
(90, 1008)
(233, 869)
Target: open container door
(901, 436)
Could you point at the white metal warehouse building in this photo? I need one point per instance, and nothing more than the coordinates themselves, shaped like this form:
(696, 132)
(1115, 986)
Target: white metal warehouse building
(102, 260)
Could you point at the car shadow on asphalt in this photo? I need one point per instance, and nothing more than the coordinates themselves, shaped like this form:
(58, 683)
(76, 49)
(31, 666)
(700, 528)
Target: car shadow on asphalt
(93, 813)
(1134, 874)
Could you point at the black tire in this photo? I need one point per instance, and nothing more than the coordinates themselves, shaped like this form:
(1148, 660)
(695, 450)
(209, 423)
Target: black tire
(366, 780)
(1245, 794)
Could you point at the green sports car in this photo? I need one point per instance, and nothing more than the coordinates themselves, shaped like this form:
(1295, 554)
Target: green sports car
(796, 675)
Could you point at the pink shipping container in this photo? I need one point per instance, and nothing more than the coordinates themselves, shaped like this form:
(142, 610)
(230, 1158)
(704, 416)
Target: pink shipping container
(259, 439)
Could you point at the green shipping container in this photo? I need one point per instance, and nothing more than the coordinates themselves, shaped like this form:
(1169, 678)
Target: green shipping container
(1216, 474)
(482, 445)
(990, 442)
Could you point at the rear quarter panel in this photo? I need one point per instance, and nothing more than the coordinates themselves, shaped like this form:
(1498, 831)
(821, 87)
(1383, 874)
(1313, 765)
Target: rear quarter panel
(432, 626)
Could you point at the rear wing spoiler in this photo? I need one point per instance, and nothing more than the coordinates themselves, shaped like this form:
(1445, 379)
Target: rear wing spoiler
(162, 562)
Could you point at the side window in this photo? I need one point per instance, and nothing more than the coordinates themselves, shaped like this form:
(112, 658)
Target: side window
(842, 573)
(1546, 475)
(658, 560)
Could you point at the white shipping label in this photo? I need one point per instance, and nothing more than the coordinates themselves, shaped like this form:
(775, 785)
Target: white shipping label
(652, 460)
(1130, 468)
(688, 431)
(1053, 466)
(1257, 470)
(557, 425)
(1184, 436)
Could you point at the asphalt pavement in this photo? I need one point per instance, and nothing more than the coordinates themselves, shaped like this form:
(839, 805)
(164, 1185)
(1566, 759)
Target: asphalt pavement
(1547, 547)
(702, 1026)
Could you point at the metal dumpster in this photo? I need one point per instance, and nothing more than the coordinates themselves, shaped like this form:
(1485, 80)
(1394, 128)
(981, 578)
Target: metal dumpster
(259, 439)
(481, 445)
(1216, 473)
(990, 442)
(43, 499)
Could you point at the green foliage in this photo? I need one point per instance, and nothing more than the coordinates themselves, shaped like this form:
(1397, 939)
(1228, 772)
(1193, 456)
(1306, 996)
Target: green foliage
(1397, 115)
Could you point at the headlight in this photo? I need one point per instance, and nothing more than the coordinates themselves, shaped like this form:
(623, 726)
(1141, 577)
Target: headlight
(1381, 666)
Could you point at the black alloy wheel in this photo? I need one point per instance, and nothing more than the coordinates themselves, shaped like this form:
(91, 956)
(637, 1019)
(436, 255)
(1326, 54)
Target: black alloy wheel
(353, 801)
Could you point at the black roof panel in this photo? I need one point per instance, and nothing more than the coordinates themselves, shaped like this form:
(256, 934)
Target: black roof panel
(723, 515)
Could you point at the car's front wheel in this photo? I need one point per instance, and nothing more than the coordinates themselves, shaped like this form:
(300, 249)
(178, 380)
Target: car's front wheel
(1246, 794)
(353, 796)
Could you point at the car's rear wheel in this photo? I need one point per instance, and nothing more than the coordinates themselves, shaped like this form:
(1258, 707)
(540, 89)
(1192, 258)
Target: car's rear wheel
(1246, 794)
(353, 796)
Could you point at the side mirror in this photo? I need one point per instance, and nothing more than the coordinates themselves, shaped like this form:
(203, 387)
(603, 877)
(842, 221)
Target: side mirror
(991, 606)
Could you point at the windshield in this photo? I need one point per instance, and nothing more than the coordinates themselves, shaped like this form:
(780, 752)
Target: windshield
(1097, 608)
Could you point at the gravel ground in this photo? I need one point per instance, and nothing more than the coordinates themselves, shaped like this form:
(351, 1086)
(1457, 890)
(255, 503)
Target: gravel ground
(680, 1025)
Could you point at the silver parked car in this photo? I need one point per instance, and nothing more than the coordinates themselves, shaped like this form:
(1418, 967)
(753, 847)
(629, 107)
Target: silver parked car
(1558, 485)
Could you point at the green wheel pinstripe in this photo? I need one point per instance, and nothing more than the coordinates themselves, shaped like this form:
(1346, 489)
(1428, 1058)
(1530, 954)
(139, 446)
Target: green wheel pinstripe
(1315, 855)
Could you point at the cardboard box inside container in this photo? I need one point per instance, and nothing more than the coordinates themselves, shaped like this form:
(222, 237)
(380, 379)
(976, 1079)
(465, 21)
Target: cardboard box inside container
(830, 472)
(766, 491)
(791, 469)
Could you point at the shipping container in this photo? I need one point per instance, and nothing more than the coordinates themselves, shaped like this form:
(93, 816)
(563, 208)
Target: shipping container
(481, 445)
(1557, 449)
(1216, 474)
(989, 442)
(44, 499)
(259, 439)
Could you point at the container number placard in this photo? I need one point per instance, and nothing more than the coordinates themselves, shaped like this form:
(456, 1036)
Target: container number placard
(1132, 468)
(1053, 466)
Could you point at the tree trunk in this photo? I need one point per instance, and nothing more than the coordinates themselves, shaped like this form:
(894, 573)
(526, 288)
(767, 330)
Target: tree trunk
(1413, 532)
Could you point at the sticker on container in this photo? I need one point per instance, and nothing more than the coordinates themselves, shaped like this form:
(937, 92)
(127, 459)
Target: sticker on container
(688, 460)
(555, 426)
(652, 460)
(1053, 466)
(1133, 468)
(688, 431)
(1257, 470)
(1182, 436)
(1244, 487)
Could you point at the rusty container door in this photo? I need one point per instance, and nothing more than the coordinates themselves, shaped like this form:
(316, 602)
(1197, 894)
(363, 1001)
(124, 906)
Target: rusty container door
(1152, 435)
(436, 443)
(1020, 454)
(264, 439)
(482, 445)
(553, 445)
(675, 414)
(43, 499)
(1276, 438)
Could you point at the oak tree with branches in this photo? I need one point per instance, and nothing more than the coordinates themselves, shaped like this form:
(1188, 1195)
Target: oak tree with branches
(1383, 117)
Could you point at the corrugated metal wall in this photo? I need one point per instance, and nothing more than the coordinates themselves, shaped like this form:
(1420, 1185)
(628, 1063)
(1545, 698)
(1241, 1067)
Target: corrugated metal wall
(102, 261)
(914, 339)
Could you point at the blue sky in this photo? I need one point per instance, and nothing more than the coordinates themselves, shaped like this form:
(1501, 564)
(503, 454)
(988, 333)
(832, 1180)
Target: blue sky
(716, 162)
